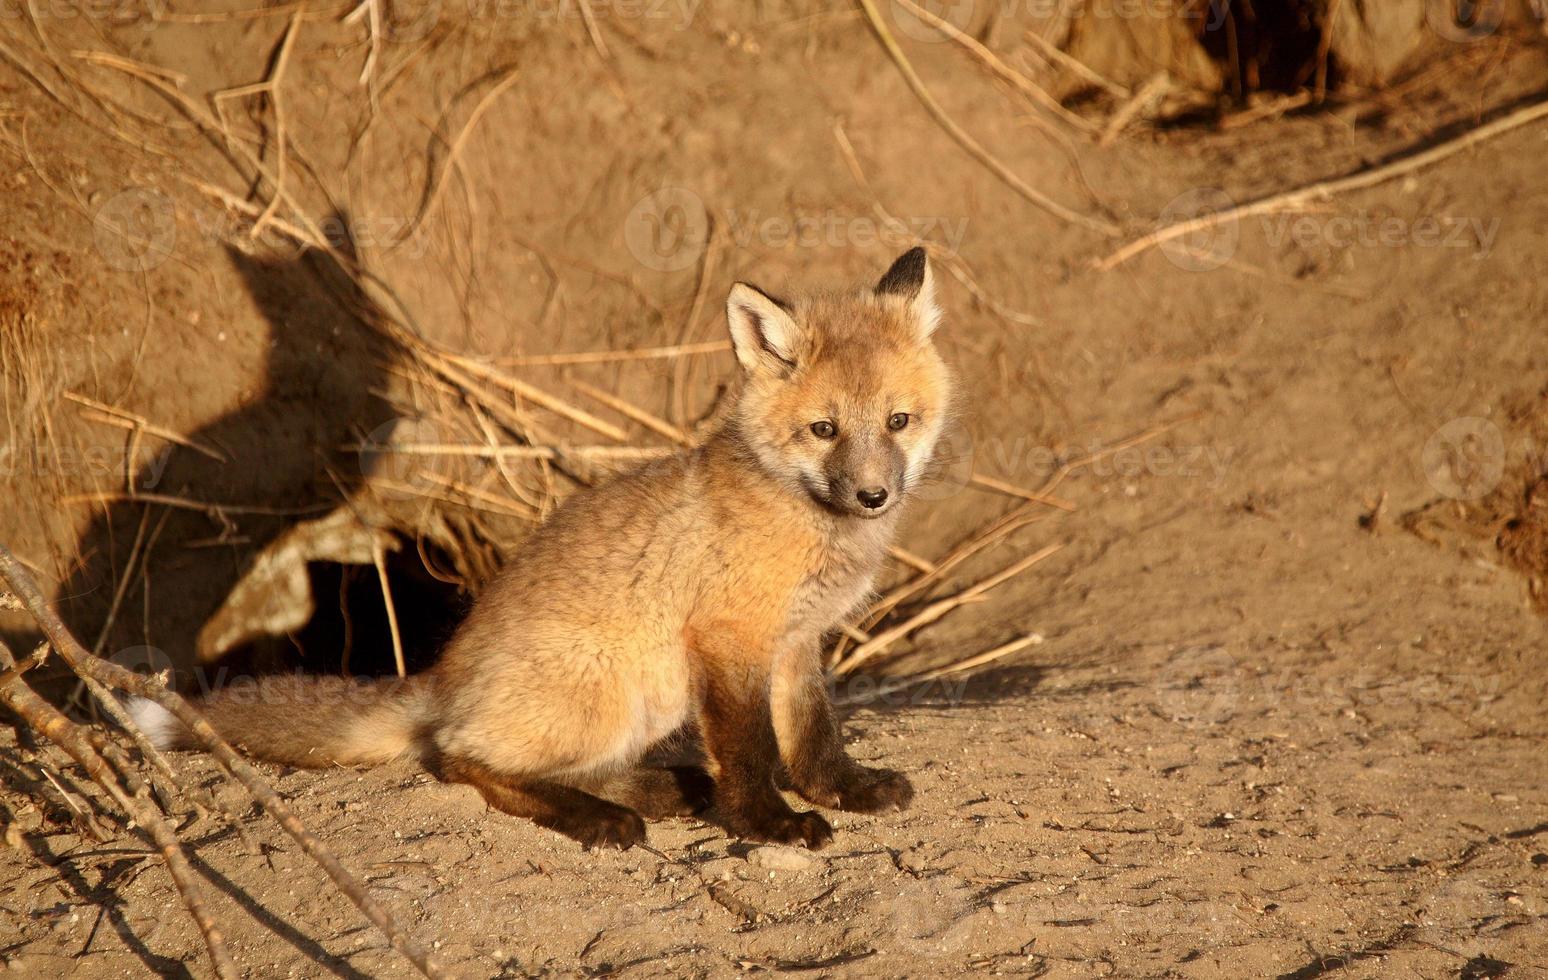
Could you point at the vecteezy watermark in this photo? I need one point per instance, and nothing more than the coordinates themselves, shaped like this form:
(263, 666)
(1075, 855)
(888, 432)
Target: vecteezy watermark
(677, 14)
(118, 13)
(958, 15)
(668, 229)
(88, 464)
(1465, 458)
(931, 916)
(1364, 229)
(832, 229)
(1212, 235)
(1212, 243)
(1199, 686)
(950, 469)
(400, 457)
(1203, 686)
(1464, 21)
(1008, 456)
(136, 229)
(413, 21)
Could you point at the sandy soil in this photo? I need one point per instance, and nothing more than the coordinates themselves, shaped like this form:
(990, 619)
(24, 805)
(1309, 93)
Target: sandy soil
(1287, 718)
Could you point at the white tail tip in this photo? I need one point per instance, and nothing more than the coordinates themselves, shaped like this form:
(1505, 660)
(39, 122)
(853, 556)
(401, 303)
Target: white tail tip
(158, 724)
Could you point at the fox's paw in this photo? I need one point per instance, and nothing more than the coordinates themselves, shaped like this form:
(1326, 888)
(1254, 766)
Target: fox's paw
(863, 790)
(601, 826)
(789, 827)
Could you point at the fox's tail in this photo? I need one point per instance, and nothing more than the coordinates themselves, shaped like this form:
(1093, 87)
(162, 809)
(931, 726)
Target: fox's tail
(305, 721)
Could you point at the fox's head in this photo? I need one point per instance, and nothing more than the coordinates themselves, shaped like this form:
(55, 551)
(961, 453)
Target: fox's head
(844, 395)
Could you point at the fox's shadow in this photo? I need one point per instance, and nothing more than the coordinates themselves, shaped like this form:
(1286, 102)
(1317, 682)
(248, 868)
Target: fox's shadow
(149, 575)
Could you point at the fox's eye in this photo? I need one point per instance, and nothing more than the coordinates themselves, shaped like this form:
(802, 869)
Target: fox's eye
(898, 421)
(823, 429)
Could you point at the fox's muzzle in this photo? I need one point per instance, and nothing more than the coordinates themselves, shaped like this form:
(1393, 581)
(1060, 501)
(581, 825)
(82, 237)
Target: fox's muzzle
(865, 475)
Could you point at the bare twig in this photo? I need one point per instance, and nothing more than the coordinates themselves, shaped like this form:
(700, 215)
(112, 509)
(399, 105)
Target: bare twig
(979, 660)
(51, 723)
(69, 649)
(454, 152)
(881, 641)
(967, 142)
(609, 356)
(127, 419)
(995, 64)
(1152, 90)
(1076, 67)
(379, 559)
(1010, 489)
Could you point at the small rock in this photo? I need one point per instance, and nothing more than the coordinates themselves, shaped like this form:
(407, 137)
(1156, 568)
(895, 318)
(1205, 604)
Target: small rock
(777, 858)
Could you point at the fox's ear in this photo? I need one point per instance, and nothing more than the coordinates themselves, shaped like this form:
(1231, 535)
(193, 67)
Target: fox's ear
(763, 333)
(911, 280)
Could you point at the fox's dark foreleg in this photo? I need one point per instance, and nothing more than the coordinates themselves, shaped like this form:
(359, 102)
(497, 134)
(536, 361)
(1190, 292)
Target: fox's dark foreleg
(812, 747)
(577, 814)
(657, 793)
(739, 734)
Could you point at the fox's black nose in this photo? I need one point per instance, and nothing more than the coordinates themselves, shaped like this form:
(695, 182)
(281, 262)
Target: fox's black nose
(872, 497)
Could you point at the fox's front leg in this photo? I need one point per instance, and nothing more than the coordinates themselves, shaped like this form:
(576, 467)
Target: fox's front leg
(739, 734)
(813, 749)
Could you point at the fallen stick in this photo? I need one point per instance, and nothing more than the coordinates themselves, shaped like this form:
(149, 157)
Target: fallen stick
(629, 453)
(537, 396)
(1327, 188)
(993, 62)
(929, 614)
(127, 419)
(454, 153)
(51, 723)
(610, 356)
(657, 425)
(1052, 52)
(967, 142)
(1010, 489)
(1153, 89)
(979, 660)
(69, 650)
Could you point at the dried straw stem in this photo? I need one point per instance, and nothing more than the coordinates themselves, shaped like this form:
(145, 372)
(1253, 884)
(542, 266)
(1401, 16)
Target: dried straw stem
(69, 649)
(967, 142)
(935, 610)
(993, 62)
(51, 723)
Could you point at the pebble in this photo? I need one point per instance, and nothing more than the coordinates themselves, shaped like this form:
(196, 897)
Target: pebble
(777, 858)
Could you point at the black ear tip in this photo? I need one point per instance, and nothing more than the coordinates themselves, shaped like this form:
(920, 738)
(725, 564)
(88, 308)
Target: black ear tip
(906, 275)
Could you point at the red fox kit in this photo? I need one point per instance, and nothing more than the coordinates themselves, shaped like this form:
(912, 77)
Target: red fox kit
(690, 594)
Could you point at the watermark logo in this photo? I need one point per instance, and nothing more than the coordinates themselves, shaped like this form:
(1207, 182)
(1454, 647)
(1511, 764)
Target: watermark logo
(833, 229)
(1464, 21)
(951, 466)
(1367, 229)
(144, 660)
(1199, 686)
(930, 916)
(406, 23)
(668, 229)
(1211, 245)
(1465, 458)
(396, 461)
(136, 229)
(957, 13)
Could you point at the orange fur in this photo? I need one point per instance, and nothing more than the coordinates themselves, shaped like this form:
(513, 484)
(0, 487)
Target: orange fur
(691, 593)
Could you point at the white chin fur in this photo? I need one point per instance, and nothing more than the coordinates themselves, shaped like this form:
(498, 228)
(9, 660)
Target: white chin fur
(158, 724)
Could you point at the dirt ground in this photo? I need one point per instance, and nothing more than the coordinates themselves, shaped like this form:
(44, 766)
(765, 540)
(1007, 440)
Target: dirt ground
(1287, 714)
